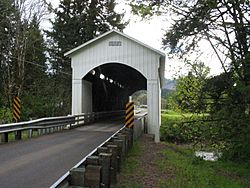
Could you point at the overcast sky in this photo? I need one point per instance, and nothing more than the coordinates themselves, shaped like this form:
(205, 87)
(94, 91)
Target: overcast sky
(151, 32)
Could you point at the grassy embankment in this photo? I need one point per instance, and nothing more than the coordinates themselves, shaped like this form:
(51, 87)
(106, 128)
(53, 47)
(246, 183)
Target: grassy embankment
(172, 165)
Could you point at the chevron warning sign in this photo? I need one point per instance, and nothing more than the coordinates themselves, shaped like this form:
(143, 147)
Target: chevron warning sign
(17, 109)
(129, 119)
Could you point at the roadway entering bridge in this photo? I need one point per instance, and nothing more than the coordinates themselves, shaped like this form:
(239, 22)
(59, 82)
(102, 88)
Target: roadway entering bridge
(39, 162)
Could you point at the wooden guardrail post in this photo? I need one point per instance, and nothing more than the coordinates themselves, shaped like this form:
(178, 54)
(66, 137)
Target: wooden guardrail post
(105, 162)
(114, 163)
(123, 137)
(119, 143)
(102, 150)
(127, 132)
(92, 176)
(77, 177)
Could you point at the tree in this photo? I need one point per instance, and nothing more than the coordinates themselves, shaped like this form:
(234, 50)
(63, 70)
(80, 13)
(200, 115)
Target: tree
(16, 23)
(224, 24)
(7, 12)
(36, 90)
(76, 22)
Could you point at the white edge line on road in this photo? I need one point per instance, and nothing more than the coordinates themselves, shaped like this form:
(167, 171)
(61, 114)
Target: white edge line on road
(61, 179)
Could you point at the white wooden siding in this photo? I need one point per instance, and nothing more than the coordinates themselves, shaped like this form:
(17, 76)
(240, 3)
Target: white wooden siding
(129, 53)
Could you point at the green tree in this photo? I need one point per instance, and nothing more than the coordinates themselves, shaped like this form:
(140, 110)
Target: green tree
(36, 88)
(225, 25)
(7, 15)
(16, 23)
(189, 93)
(76, 22)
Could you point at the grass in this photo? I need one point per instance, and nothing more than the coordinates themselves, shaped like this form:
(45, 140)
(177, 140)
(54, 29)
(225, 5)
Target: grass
(128, 168)
(25, 135)
(130, 162)
(183, 170)
(170, 115)
(192, 172)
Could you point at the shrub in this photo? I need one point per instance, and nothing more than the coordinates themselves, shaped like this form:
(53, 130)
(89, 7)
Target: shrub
(5, 115)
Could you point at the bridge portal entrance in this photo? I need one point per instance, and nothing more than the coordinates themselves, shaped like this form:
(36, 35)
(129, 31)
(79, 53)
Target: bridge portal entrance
(110, 68)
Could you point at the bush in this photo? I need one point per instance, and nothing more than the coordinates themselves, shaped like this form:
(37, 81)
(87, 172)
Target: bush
(5, 115)
(229, 135)
(181, 128)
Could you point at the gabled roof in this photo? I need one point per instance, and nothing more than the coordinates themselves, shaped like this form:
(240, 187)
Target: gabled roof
(107, 33)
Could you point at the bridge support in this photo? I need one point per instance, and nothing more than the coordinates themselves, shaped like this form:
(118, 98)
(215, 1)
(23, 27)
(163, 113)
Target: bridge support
(154, 107)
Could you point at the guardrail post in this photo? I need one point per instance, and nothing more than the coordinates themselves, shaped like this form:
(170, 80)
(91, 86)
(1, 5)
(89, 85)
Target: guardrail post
(30, 133)
(18, 135)
(92, 176)
(77, 177)
(125, 143)
(92, 160)
(39, 132)
(105, 162)
(119, 143)
(5, 137)
(102, 150)
(113, 171)
(129, 133)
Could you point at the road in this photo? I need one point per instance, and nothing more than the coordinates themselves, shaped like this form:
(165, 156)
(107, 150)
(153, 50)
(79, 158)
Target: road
(39, 162)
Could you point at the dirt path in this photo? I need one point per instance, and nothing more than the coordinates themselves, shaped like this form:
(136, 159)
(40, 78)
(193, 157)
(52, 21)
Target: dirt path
(142, 169)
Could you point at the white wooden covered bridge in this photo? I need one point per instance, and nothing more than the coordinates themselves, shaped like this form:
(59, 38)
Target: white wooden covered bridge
(110, 68)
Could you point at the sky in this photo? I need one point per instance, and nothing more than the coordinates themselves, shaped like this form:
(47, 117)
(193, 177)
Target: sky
(151, 33)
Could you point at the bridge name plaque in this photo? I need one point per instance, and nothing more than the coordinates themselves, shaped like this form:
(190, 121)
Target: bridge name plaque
(115, 43)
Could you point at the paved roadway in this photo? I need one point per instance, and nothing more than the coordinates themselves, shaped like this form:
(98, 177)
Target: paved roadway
(39, 162)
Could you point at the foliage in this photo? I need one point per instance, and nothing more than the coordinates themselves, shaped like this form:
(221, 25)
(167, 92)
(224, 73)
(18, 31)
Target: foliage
(190, 95)
(190, 171)
(204, 132)
(22, 56)
(76, 22)
(5, 115)
(140, 97)
(184, 128)
(176, 166)
(224, 24)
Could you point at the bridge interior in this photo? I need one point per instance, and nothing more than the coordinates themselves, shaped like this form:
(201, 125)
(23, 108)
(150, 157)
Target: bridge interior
(109, 86)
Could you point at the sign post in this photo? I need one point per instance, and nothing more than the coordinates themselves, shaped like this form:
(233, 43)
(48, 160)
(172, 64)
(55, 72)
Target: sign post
(17, 109)
(17, 114)
(130, 116)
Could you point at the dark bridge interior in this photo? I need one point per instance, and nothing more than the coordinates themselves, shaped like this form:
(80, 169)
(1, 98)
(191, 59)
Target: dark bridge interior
(112, 84)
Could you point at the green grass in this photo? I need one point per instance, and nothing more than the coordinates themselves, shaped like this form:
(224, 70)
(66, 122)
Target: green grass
(190, 171)
(184, 170)
(129, 166)
(170, 115)
(130, 163)
(25, 135)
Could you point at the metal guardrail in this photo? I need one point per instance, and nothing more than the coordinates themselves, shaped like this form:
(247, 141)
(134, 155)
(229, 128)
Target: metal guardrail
(55, 122)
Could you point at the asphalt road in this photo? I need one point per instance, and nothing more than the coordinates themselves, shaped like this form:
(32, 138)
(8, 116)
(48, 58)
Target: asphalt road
(39, 162)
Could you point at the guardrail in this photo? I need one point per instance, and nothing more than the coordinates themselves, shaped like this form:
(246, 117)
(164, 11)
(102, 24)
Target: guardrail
(101, 166)
(52, 124)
